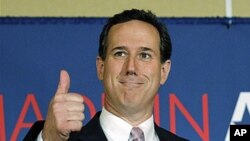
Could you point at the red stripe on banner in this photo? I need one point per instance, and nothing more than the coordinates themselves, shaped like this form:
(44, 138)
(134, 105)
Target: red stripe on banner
(2, 121)
(157, 110)
(175, 102)
(91, 106)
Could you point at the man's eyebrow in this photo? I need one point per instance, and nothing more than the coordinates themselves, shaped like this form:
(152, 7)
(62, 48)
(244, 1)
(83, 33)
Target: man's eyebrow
(141, 49)
(118, 48)
(146, 49)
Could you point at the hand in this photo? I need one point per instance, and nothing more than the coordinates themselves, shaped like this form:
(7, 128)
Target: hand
(65, 113)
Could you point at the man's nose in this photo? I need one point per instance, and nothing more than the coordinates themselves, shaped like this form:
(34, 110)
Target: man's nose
(130, 66)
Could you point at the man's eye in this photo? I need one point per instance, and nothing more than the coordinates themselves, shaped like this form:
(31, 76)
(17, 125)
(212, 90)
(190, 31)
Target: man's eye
(145, 55)
(120, 54)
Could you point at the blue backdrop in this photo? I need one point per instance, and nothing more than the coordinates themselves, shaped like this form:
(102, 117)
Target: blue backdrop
(210, 72)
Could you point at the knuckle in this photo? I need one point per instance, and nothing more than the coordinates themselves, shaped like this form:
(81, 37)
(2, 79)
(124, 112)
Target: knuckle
(82, 107)
(78, 125)
(77, 97)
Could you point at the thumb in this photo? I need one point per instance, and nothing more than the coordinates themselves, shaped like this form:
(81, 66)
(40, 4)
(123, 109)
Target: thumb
(64, 83)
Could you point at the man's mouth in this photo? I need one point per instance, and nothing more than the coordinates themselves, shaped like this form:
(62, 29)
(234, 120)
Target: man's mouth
(131, 84)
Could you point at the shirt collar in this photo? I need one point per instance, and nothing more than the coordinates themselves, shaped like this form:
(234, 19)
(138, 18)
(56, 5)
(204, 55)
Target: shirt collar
(116, 128)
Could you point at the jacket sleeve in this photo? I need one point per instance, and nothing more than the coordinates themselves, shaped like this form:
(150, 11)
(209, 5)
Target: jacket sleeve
(34, 131)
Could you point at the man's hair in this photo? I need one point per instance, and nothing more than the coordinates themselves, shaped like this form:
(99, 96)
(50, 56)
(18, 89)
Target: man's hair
(141, 15)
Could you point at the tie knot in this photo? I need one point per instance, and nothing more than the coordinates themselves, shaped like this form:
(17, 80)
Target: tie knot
(136, 134)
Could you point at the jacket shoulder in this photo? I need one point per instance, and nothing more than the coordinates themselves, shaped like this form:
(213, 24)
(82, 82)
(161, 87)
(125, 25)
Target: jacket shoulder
(164, 135)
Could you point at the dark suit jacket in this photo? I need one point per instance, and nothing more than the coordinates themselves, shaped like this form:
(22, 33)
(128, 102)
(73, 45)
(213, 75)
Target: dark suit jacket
(92, 131)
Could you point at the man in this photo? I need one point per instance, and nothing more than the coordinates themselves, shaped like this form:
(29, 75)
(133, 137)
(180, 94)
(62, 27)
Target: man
(133, 61)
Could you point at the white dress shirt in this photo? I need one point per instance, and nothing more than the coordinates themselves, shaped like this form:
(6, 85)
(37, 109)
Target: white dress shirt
(116, 129)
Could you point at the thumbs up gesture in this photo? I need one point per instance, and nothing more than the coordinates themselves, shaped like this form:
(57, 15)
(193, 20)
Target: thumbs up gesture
(65, 113)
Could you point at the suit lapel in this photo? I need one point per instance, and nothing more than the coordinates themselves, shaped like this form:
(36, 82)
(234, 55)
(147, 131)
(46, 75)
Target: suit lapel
(160, 133)
(165, 135)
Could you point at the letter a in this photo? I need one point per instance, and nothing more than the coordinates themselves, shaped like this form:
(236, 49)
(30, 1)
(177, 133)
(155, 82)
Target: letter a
(30, 100)
(237, 132)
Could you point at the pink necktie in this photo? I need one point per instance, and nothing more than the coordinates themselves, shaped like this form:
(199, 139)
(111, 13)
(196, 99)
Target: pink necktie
(136, 134)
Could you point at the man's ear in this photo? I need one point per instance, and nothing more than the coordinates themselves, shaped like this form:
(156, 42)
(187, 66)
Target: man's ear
(99, 67)
(165, 69)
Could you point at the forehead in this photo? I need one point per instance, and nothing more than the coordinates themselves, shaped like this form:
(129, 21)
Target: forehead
(134, 34)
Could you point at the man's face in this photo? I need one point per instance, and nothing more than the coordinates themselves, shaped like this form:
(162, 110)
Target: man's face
(132, 71)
